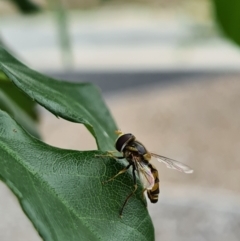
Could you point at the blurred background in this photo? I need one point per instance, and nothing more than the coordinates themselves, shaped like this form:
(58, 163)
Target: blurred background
(169, 72)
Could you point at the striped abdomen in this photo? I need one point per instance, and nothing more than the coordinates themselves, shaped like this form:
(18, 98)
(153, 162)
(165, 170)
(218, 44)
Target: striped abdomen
(153, 193)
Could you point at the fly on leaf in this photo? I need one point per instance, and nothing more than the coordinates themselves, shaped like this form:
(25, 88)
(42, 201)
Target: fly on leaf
(139, 159)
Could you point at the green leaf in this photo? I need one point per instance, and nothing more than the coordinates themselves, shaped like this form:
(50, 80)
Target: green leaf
(18, 114)
(228, 18)
(19, 98)
(76, 102)
(3, 77)
(18, 105)
(62, 193)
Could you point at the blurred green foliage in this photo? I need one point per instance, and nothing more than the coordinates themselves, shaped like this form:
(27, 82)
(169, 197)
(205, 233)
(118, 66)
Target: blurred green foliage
(228, 18)
(26, 6)
(63, 32)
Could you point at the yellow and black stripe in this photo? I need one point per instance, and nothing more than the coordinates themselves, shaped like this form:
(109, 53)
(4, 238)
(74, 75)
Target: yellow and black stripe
(154, 192)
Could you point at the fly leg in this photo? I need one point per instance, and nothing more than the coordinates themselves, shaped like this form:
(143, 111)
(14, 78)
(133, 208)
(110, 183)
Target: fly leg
(135, 188)
(110, 154)
(119, 173)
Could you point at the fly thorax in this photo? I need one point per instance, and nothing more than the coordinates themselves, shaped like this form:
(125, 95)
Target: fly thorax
(140, 148)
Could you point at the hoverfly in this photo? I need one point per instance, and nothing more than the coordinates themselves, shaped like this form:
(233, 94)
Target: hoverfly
(139, 159)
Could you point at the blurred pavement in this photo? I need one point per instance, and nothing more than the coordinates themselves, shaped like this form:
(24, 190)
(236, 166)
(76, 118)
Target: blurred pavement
(122, 38)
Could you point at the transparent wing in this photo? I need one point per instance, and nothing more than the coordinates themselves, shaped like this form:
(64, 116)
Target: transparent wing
(170, 163)
(145, 175)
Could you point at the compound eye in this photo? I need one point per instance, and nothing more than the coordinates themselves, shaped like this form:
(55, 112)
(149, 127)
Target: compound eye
(123, 140)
